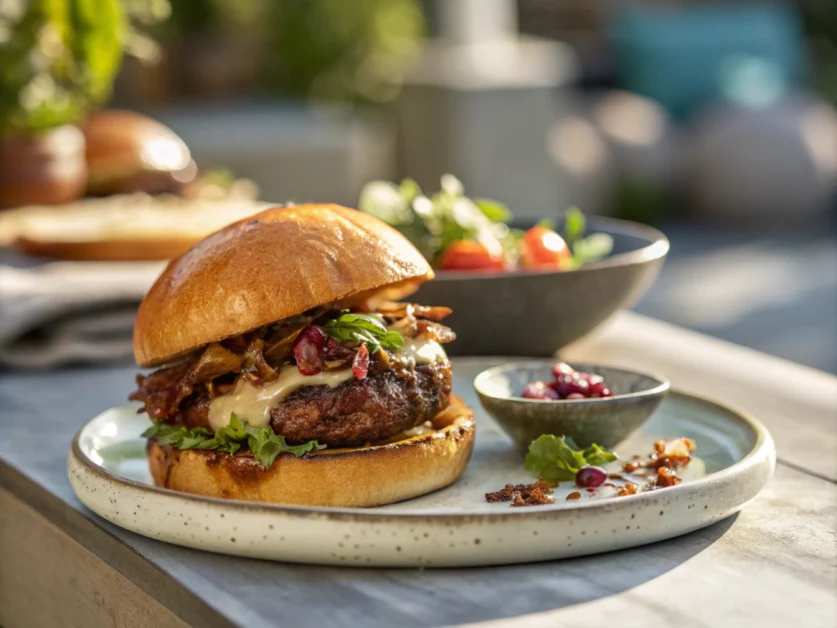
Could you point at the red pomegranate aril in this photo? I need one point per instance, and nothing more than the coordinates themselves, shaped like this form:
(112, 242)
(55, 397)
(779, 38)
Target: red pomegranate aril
(580, 386)
(590, 477)
(576, 396)
(360, 363)
(606, 392)
(563, 385)
(538, 390)
(562, 368)
(596, 388)
(309, 350)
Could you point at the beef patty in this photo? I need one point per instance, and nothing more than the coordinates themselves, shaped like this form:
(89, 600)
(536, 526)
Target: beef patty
(356, 412)
(364, 411)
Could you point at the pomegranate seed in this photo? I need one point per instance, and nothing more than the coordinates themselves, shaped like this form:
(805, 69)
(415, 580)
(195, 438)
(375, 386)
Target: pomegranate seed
(309, 350)
(562, 369)
(605, 392)
(576, 396)
(539, 390)
(591, 490)
(360, 363)
(562, 385)
(596, 388)
(590, 477)
(580, 386)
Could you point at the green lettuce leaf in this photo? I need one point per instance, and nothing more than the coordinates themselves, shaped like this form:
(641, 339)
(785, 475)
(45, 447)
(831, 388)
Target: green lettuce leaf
(598, 456)
(574, 224)
(558, 459)
(363, 328)
(264, 443)
(495, 211)
(267, 444)
(591, 249)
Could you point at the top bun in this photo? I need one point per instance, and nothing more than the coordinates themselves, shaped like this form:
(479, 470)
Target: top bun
(275, 264)
(123, 145)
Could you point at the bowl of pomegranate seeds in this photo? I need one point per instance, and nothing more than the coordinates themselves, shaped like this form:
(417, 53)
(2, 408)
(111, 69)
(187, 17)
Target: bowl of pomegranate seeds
(589, 402)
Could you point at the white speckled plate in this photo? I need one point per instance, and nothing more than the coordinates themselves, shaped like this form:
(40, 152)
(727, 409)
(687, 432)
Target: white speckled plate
(451, 527)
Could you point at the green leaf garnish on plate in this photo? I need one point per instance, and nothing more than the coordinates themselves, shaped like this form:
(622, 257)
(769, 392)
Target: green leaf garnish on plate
(558, 458)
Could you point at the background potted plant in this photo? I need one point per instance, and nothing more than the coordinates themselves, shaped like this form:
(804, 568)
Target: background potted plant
(58, 59)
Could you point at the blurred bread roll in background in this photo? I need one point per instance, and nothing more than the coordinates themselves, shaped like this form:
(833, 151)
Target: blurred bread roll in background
(127, 227)
(130, 152)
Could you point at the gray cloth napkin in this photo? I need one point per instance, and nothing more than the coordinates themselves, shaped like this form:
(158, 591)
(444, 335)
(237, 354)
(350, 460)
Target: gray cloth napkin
(70, 312)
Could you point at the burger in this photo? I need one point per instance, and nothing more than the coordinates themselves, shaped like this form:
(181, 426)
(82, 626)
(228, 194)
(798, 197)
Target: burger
(290, 370)
(129, 152)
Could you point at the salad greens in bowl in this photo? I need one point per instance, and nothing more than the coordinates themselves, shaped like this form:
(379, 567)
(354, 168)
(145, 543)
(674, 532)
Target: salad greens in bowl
(457, 233)
(515, 291)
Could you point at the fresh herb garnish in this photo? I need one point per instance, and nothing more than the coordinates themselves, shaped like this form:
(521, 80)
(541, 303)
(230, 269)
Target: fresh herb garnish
(265, 444)
(364, 329)
(558, 459)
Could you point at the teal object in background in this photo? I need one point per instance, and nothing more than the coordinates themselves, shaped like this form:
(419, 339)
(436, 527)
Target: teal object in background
(746, 52)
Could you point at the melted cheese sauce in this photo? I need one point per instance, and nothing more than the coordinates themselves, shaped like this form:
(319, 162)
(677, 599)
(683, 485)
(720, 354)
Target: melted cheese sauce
(252, 405)
(423, 351)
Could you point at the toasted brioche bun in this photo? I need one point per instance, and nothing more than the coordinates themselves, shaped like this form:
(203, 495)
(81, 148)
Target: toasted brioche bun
(127, 227)
(123, 144)
(359, 478)
(275, 264)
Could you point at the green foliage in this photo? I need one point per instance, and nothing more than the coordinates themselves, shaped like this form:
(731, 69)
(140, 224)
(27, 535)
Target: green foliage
(434, 223)
(57, 59)
(264, 443)
(558, 459)
(364, 329)
(343, 50)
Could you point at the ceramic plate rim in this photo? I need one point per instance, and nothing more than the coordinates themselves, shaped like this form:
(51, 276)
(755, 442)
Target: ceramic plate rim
(662, 387)
(762, 448)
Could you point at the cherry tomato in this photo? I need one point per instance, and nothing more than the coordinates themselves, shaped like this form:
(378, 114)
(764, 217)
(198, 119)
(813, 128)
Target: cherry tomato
(470, 255)
(543, 248)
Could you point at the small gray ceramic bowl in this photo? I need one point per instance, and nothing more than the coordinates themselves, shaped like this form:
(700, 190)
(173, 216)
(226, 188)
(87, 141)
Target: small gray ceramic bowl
(606, 421)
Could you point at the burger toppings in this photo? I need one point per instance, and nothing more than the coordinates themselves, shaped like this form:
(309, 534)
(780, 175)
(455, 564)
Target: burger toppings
(254, 402)
(360, 363)
(364, 329)
(263, 443)
(309, 350)
(329, 376)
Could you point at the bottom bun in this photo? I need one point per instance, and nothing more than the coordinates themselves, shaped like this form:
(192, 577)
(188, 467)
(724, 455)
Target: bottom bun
(361, 477)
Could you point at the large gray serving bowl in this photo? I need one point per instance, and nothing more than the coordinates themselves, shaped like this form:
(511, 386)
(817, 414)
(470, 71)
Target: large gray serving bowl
(605, 421)
(535, 313)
